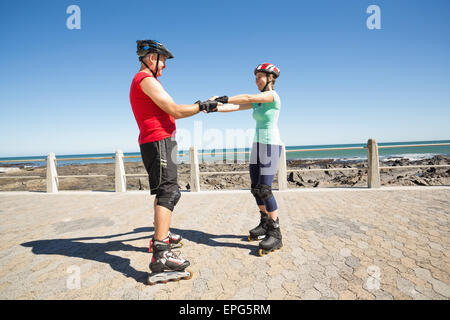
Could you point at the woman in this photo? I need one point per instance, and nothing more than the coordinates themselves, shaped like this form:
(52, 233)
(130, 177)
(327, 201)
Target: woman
(265, 153)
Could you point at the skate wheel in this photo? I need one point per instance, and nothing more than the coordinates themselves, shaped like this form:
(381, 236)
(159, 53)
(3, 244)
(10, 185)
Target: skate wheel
(250, 239)
(189, 276)
(261, 252)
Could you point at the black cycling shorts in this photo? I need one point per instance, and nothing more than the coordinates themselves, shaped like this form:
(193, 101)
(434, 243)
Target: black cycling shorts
(159, 159)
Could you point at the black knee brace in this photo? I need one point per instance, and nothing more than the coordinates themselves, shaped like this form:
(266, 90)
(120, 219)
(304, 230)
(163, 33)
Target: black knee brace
(265, 192)
(168, 199)
(255, 190)
(262, 191)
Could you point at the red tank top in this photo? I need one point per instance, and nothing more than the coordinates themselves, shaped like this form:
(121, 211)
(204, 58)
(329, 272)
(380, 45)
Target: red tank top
(153, 122)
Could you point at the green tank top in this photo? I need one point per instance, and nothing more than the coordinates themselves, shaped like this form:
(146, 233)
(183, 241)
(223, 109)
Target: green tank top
(266, 116)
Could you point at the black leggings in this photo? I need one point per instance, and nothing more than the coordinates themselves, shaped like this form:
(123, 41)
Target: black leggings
(263, 167)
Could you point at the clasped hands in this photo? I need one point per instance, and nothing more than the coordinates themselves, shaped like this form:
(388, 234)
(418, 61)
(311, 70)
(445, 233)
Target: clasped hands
(211, 105)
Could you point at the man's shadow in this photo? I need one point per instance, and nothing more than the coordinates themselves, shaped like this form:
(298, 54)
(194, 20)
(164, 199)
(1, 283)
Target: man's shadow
(99, 251)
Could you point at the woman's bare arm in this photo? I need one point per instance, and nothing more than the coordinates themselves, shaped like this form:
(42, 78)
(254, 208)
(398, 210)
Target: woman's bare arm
(262, 97)
(234, 107)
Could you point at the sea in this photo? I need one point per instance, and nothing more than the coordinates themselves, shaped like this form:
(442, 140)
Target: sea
(242, 154)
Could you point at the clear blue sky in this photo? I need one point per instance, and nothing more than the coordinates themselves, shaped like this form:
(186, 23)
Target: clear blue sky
(66, 91)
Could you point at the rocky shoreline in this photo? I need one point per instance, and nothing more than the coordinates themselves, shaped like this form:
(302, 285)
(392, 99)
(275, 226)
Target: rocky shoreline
(296, 179)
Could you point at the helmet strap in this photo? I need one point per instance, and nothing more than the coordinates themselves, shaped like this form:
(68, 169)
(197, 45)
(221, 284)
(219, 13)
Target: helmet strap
(267, 83)
(157, 63)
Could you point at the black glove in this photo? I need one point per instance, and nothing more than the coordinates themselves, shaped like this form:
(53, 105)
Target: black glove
(208, 106)
(222, 99)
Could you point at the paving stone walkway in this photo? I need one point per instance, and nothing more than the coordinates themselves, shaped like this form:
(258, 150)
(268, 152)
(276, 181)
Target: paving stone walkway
(390, 243)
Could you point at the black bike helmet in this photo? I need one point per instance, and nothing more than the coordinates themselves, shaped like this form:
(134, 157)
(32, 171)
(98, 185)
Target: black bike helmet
(145, 47)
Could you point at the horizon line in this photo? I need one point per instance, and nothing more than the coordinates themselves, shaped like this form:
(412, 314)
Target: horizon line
(224, 148)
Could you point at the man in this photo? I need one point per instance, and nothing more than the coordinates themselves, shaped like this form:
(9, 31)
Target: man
(155, 112)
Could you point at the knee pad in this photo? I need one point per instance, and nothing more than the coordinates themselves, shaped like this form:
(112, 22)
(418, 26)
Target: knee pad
(255, 190)
(169, 199)
(265, 192)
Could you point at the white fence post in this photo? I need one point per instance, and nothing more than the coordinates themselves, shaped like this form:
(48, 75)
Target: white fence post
(195, 171)
(282, 170)
(52, 174)
(373, 172)
(120, 177)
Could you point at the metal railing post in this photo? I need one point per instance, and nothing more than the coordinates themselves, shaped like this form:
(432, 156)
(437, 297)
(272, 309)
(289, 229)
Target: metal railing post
(52, 174)
(282, 170)
(120, 177)
(195, 171)
(373, 172)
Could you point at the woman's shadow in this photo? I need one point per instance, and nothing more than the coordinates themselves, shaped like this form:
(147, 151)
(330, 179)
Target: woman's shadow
(99, 251)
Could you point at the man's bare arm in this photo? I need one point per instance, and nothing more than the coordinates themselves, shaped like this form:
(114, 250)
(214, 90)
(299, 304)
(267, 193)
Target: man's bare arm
(156, 92)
